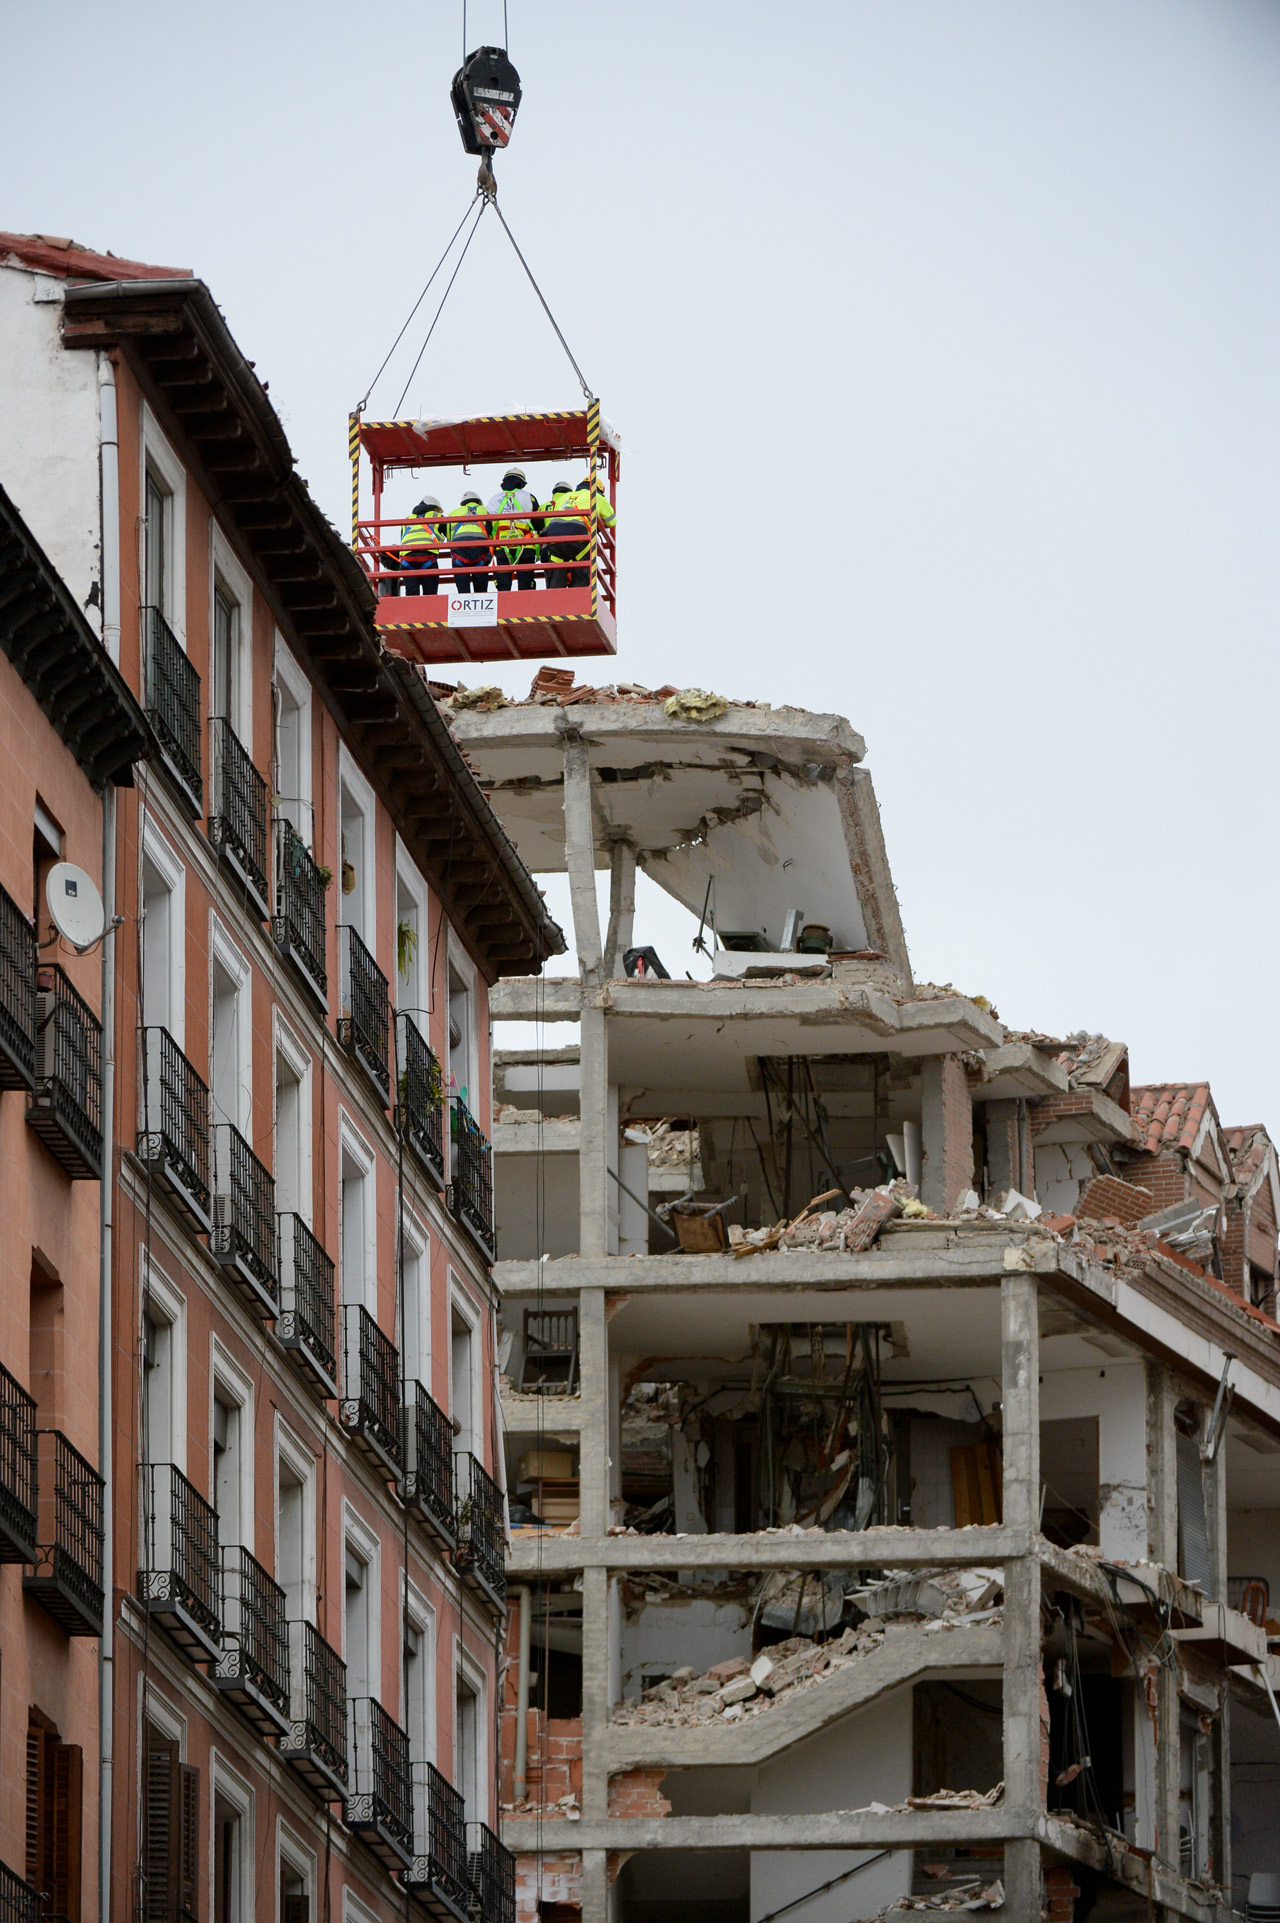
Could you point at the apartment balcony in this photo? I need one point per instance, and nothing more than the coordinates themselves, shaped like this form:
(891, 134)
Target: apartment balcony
(173, 1142)
(181, 1585)
(492, 1872)
(420, 1099)
(65, 1109)
(17, 996)
(364, 1026)
(18, 1469)
(380, 1804)
(19, 1902)
(173, 705)
(315, 1744)
(471, 1190)
(480, 1554)
(243, 1241)
(428, 1464)
(298, 925)
(370, 1406)
(438, 1877)
(66, 1573)
(239, 814)
(306, 1322)
(253, 1669)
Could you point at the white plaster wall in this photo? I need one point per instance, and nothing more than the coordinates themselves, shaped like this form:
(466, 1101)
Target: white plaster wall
(1062, 1169)
(664, 1636)
(516, 1201)
(1253, 1548)
(863, 1759)
(49, 430)
(1116, 1394)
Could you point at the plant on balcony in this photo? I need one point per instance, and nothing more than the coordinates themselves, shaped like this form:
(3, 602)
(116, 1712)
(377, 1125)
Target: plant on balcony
(406, 948)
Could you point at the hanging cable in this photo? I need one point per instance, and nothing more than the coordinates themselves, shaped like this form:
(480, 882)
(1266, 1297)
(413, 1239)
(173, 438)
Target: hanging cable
(546, 310)
(416, 305)
(484, 202)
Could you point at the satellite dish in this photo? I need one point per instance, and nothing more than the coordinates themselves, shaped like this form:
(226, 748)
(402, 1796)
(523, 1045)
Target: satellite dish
(75, 906)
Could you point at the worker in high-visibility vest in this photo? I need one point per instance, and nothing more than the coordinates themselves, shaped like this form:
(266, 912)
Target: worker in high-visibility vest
(570, 545)
(418, 552)
(513, 549)
(469, 537)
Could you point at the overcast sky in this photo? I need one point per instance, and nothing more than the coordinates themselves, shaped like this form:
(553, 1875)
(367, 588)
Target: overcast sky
(942, 336)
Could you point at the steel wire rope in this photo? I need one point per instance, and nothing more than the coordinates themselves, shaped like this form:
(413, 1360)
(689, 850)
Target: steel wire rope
(484, 202)
(582, 382)
(416, 305)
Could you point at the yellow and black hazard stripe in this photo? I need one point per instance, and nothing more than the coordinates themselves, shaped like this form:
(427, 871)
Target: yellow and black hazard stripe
(353, 448)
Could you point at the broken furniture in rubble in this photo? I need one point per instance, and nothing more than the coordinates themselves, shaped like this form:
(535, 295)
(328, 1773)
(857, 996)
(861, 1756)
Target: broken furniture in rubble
(550, 1362)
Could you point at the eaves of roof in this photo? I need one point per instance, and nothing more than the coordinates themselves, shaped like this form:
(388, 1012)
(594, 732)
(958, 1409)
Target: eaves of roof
(81, 691)
(180, 346)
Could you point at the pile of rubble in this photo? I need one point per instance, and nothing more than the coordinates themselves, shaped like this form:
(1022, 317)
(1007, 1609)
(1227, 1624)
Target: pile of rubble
(555, 687)
(966, 1893)
(736, 1688)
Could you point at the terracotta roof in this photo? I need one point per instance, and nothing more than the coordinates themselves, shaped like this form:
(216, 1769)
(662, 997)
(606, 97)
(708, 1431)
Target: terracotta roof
(1247, 1148)
(1169, 1115)
(49, 254)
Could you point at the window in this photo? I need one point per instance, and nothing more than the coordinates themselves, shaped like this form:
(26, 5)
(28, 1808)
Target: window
(359, 1253)
(157, 540)
(356, 854)
(46, 1361)
(296, 1879)
(224, 662)
(461, 1035)
(293, 744)
(55, 1772)
(415, 1285)
(360, 1597)
(232, 1440)
(462, 1387)
(229, 1051)
(163, 934)
(419, 1716)
(231, 1847)
(293, 1128)
(164, 1426)
(47, 847)
(412, 982)
(170, 1832)
(468, 1773)
(295, 1528)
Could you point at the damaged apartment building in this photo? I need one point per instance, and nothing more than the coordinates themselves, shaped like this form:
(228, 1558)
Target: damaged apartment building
(891, 1400)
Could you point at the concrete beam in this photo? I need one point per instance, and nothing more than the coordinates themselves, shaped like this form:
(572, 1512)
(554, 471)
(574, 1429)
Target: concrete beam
(831, 1830)
(554, 1556)
(808, 1707)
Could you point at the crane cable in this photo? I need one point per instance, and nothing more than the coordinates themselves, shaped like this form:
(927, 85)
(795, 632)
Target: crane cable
(413, 310)
(484, 202)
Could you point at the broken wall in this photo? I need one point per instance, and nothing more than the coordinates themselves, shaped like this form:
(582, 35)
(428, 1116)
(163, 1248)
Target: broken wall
(664, 1636)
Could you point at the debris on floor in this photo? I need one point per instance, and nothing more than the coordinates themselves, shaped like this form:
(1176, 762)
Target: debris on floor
(967, 1893)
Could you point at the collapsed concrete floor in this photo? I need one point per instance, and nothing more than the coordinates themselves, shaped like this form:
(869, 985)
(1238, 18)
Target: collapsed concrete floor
(892, 1401)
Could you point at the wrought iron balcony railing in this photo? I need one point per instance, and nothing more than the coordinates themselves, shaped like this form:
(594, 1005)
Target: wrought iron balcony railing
(298, 926)
(471, 1191)
(380, 1803)
(306, 1322)
(253, 1669)
(66, 1108)
(315, 1743)
(181, 1582)
(439, 1876)
(365, 1023)
(243, 1241)
(428, 1463)
(370, 1406)
(481, 1543)
(239, 812)
(66, 1576)
(492, 1871)
(18, 1465)
(420, 1099)
(173, 1135)
(173, 704)
(17, 996)
(19, 1901)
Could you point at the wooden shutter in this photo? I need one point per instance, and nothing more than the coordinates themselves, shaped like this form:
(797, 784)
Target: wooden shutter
(160, 1832)
(295, 1908)
(37, 1783)
(188, 1844)
(64, 1803)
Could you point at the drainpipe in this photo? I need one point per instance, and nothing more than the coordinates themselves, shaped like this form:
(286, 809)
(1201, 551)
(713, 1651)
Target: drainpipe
(522, 1696)
(109, 468)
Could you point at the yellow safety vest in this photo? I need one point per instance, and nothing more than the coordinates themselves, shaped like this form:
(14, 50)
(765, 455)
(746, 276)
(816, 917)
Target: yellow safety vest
(512, 531)
(419, 534)
(468, 525)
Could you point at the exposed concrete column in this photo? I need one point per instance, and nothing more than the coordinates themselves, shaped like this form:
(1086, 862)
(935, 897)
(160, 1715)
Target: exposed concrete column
(946, 1131)
(593, 1473)
(580, 854)
(593, 1377)
(1023, 1688)
(1162, 1535)
(597, 1133)
(622, 907)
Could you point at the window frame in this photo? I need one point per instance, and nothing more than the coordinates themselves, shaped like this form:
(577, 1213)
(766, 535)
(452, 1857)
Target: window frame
(461, 1305)
(354, 1144)
(228, 577)
(420, 1351)
(159, 1291)
(287, 1046)
(227, 1783)
(224, 955)
(157, 855)
(297, 1458)
(156, 454)
(352, 784)
(226, 1374)
(288, 676)
(358, 1536)
(412, 992)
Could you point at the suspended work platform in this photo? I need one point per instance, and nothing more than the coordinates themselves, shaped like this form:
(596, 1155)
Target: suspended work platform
(530, 588)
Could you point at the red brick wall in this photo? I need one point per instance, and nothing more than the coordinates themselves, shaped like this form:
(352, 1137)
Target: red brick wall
(1165, 1176)
(638, 1792)
(1060, 1893)
(552, 1881)
(1075, 1101)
